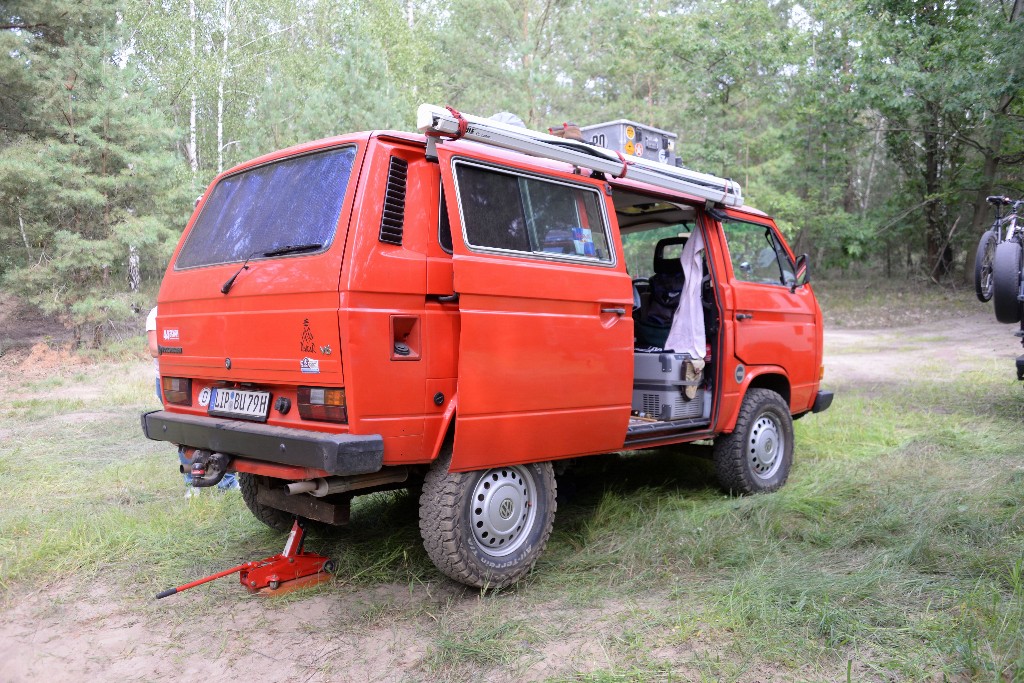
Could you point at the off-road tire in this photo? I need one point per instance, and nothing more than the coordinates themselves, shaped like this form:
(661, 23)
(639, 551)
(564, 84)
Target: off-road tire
(983, 266)
(757, 455)
(1006, 282)
(457, 509)
(278, 520)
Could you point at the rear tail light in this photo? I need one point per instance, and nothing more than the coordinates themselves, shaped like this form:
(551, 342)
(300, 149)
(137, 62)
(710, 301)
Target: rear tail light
(177, 390)
(322, 403)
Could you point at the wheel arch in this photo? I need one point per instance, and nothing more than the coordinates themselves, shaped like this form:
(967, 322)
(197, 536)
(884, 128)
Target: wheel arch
(773, 379)
(769, 377)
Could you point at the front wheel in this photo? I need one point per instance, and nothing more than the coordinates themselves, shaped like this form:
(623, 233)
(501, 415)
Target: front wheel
(983, 266)
(487, 528)
(757, 455)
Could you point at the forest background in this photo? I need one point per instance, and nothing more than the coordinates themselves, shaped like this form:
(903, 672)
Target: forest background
(872, 130)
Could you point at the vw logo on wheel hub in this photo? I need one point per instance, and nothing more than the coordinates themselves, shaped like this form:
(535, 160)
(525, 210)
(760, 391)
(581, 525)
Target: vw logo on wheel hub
(506, 508)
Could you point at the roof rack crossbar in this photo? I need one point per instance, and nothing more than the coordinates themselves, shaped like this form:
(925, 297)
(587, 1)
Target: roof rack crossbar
(441, 122)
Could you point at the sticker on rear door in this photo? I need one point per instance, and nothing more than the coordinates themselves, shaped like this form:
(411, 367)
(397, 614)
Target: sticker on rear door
(310, 366)
(306, 344)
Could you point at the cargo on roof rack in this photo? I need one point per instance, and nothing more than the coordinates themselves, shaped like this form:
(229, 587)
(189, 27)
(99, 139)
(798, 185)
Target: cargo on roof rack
(437, 121)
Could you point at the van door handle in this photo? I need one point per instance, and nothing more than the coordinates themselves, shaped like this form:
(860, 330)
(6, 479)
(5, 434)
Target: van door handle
(744, 316)
(616, 311)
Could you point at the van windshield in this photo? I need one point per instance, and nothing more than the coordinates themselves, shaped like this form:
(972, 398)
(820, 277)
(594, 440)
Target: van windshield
(295, 201)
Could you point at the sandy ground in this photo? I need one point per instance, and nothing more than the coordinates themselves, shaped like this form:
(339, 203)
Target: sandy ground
(70, 632)
(869, 358)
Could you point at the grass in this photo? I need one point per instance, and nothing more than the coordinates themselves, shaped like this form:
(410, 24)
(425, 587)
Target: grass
(895, 551)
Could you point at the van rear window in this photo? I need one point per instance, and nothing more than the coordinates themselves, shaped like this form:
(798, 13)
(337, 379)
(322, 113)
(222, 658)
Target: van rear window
(292, 202)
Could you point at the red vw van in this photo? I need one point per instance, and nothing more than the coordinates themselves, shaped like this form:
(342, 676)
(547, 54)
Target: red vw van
(457, 311)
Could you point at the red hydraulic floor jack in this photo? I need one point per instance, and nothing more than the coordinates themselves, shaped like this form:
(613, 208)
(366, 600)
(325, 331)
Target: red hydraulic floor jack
(290, 570)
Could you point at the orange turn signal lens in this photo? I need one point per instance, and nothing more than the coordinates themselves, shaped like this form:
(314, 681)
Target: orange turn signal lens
(177, 390)
(322, 403)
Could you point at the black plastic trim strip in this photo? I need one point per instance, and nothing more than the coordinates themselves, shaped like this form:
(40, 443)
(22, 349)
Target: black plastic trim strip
(655, 431)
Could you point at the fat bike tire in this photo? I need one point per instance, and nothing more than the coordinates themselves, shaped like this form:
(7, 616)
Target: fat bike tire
(1006, 282)
(983, 266)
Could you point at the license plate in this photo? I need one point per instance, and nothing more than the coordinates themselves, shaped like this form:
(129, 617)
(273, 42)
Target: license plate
(248, 405)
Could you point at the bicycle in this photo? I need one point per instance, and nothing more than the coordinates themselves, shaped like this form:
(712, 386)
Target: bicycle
(1006, 262)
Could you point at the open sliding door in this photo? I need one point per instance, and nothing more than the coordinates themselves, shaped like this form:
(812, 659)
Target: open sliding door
(546, 342)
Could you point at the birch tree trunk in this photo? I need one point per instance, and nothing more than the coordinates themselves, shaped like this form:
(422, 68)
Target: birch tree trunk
(134, 276)
(865, 201)
(24, 237)
(226, 27)
(193, 159)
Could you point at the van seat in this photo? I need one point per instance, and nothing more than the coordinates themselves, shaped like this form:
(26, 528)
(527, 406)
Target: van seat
(667, 265)
(660, 302)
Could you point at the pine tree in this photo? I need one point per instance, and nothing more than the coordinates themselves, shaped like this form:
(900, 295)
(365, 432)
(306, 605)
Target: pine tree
(87, 169)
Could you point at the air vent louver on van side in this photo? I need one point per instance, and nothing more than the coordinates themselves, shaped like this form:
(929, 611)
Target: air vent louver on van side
(392, 220)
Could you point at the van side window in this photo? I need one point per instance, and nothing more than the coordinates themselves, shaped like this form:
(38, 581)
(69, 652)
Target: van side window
(518, 213)
(757, 254)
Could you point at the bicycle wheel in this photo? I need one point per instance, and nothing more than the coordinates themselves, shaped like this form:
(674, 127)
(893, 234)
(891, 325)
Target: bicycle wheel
(1006, 282)
(983, 266)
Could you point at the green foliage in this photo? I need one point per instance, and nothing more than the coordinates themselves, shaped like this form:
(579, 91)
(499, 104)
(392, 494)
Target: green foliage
(346, 66)
(871, 130)
(86, 172)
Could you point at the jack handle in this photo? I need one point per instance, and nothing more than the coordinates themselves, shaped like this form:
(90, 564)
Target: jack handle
(198, 582)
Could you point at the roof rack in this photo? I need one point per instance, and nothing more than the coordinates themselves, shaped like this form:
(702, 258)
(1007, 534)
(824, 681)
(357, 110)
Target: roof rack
(446, 122)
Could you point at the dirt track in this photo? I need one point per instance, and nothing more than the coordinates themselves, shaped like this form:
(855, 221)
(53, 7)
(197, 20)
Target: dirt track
(868, 358)
(68, 631)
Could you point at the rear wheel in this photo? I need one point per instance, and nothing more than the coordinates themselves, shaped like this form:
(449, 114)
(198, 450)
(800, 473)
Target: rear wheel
(983, 266)
(757, 455)
(249, 485)
(487, 528)
(1006, 282)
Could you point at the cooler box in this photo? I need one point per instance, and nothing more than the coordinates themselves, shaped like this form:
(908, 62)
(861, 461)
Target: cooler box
(658, 384)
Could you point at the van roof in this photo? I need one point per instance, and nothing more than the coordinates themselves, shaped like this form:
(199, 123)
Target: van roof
(478, 149)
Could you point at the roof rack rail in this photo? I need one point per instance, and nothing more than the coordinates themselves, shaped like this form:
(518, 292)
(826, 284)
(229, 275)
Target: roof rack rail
(437, 122)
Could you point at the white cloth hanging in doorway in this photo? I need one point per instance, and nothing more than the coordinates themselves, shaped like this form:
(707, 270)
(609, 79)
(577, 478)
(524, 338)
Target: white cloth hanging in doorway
(687, 333)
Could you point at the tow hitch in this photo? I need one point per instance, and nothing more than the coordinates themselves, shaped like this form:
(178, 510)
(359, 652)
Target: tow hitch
(290, 570)
(207, 469)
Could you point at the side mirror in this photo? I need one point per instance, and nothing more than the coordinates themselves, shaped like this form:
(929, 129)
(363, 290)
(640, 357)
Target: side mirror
(802, 273)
